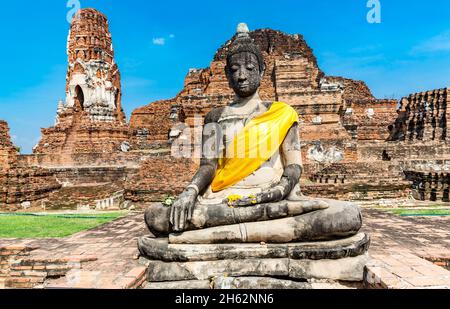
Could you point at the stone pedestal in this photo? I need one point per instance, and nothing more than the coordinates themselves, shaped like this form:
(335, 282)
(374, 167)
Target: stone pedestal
(245, 266)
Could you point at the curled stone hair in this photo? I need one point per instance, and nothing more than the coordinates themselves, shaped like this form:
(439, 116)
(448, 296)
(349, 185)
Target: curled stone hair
(244, 43)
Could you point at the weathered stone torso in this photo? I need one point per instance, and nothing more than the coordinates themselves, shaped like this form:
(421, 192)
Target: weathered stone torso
(232, 121)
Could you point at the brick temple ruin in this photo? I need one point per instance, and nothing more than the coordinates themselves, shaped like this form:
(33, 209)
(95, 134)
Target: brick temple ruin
(355, 146)
(19, 182)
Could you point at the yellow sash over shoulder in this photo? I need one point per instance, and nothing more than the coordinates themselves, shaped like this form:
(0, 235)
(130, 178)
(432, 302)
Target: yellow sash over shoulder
(255, 144)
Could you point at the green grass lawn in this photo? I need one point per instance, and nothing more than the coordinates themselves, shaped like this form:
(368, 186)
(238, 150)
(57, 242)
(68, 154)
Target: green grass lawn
(51, 226)
(420, 212)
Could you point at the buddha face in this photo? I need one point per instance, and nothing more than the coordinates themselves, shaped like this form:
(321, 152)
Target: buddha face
(243, 74)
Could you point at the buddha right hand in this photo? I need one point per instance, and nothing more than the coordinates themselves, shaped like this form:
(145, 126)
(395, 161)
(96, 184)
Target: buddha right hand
(182, 210)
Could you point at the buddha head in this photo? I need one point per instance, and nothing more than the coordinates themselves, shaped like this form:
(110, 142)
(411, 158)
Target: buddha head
(245, 64)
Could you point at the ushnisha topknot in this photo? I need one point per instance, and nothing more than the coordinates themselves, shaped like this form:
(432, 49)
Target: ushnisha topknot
(244, 43)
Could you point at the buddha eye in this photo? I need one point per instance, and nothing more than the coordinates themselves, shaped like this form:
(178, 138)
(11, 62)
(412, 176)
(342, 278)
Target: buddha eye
(250, 67)
(234, 68)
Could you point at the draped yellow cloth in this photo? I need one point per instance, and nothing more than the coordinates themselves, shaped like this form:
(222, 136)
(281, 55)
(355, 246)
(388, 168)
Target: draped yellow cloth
(255, 144)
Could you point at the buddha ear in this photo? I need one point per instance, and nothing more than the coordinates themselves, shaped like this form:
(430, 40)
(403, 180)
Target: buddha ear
(227, 74)
(227, 71)
(263, 70)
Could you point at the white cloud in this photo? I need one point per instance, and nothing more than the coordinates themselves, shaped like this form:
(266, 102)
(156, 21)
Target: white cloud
(438, 43)
(163, 40)
(159, 41)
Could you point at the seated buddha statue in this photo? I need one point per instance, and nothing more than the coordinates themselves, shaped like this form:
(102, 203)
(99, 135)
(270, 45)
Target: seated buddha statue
(247, 186)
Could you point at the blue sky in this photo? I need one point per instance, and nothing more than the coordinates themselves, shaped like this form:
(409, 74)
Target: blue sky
(156, 42)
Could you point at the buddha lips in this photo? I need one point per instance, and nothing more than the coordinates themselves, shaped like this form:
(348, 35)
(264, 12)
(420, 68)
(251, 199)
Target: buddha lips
(256, 143)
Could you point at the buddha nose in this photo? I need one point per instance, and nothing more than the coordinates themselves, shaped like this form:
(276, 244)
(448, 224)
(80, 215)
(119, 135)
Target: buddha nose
(242, 76)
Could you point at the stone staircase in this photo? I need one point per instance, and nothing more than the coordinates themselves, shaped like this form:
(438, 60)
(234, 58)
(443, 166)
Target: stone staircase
(71, 137)
(84, 197)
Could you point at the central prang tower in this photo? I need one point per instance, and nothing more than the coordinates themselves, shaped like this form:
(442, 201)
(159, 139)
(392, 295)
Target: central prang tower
(91, 120)
(93, 78)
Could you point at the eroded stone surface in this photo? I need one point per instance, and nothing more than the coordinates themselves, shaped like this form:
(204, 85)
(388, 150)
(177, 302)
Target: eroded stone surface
(159, 271)
(230, 283)
(346, 269)
(160, 249)
(252, 283)
(179, 285)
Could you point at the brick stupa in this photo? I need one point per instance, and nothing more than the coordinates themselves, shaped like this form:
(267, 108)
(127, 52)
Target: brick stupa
(91, 119)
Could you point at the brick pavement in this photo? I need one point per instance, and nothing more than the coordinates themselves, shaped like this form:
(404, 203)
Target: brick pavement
(402, 248)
